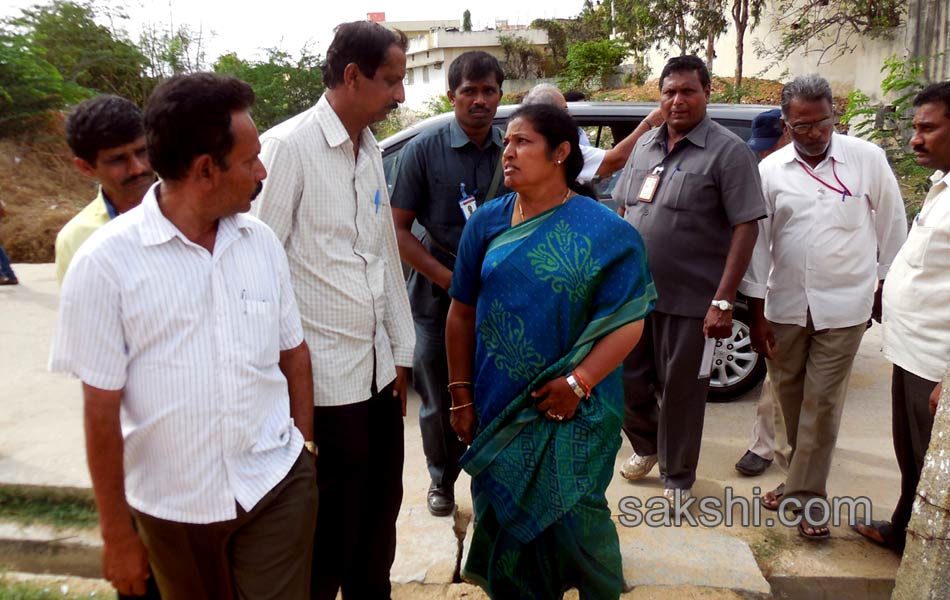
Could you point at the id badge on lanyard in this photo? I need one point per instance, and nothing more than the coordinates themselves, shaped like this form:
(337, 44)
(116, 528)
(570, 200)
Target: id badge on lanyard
(649, 186)
(467, 203)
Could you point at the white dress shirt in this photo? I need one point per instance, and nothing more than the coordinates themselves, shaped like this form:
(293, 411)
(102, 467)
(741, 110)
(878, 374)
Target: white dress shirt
(593, 157)
(821, 248)
(331, 212)
(917, 291)
(193, 339)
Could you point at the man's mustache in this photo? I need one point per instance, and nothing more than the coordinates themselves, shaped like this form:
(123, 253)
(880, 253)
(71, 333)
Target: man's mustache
(919, 148)
(136, 178)
(257, 190)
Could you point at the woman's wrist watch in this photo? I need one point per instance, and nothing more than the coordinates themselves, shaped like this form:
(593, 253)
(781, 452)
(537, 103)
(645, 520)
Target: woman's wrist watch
(576, 386)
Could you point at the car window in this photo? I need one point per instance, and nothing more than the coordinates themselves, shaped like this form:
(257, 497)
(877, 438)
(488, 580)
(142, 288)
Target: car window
(390, 166)
(602, 131)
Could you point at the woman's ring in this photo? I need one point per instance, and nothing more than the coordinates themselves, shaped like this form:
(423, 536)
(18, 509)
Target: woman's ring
(557, 417)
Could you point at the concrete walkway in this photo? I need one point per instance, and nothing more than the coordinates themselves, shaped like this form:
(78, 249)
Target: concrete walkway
(41, 443)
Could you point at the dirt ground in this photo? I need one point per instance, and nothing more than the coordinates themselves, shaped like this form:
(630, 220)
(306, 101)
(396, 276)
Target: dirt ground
(41, 189)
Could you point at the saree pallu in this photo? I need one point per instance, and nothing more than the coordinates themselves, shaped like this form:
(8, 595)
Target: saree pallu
(549, 289)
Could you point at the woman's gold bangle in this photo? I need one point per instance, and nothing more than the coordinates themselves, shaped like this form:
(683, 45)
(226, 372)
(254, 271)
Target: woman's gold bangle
(459, 384)
(451, 408)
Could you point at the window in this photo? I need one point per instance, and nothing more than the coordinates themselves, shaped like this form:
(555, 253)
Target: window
(425, 74)
(410, 76)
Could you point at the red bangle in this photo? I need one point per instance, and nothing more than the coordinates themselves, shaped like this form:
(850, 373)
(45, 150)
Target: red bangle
(581, 381)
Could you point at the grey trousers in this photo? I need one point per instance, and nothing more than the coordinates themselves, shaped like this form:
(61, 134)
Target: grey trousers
(262, 554)
(768, 416)
(664, 399)
(911, 426)
(808, 377)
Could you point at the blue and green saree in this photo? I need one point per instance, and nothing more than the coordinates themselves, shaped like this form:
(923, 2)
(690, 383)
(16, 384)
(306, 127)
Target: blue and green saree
(545, 291)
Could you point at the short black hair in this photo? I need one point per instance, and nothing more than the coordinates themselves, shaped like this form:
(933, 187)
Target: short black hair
(557, 126)
(935, 93)
(574, 96)
(190, 115)
(101, 123)
(474, 65)
(689, 62)
(362, 42)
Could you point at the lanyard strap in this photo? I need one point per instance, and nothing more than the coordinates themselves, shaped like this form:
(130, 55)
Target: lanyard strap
(844, 189)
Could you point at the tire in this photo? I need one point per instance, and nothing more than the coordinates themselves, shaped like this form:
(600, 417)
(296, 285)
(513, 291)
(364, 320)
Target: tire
(736, 368)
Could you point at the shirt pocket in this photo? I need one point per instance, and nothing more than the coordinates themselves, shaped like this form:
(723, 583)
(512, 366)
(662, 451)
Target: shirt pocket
(848, 212)
(915, 248)
(627, 190)
(692, 192)
(259, 333)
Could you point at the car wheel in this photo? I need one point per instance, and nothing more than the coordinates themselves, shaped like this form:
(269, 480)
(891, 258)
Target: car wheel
(736, 368)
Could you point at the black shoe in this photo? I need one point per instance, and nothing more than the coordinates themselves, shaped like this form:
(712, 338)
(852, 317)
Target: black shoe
(441, 501)
(752, 464)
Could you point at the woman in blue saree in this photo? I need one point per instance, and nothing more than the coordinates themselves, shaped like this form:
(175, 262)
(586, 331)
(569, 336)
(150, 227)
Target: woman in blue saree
(549, 292)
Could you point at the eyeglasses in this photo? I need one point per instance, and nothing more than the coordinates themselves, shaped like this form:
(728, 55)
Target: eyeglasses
(806, 127)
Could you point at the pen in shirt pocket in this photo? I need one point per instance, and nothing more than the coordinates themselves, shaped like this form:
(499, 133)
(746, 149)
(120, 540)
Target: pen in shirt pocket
(376, 201)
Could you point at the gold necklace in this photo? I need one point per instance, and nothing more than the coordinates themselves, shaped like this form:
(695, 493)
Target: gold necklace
(521, 203)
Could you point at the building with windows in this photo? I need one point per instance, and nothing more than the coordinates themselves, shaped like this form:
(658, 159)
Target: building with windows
(433, 45)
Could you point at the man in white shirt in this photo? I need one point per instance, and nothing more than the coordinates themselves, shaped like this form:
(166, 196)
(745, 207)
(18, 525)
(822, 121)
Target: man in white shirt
(327, 201)
(768, 135)
(917, 314)
(597, 161)
(818, 258)
(180, 320)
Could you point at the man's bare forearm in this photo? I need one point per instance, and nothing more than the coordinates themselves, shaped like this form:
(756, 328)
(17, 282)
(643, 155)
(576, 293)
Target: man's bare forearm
(104, 447)
(297, 369)
(741, 246)
(617, 156)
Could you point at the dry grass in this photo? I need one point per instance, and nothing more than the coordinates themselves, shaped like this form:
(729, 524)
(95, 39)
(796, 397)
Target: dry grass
(41, 189)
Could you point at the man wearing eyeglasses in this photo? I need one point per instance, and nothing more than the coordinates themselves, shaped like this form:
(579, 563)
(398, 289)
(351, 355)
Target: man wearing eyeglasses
(815, 278)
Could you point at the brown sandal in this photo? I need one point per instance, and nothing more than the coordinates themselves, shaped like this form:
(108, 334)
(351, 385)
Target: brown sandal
(772, 500)
(817, 521)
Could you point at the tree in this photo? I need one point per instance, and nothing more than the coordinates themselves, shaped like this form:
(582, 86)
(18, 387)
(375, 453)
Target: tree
(926, 39)
(83, 52)
(523, 60)
(745, 15)
(925, 567)
(831, 28)
(467, 20)
(591, 24)
(685, 24)
(29, 85)
(557, 41)
(172, 51)
(590, 64)
(284, 86)
(691, 26)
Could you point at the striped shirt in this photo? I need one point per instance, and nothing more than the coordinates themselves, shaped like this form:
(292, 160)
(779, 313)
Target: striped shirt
(331, 212)
(193, 340)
